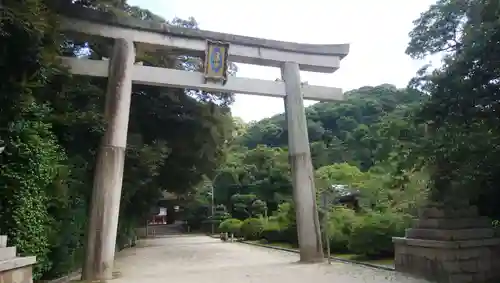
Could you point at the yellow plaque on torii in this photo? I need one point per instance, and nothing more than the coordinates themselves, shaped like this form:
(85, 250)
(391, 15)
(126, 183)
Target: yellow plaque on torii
(216, 61)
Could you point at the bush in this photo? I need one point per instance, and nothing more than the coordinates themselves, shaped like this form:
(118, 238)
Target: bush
(281, 227)
(339, 228)
(290, 235)
(273, 235)
(272, 232)
(372, 233)
(231, 226)
(28, 172)
(252, 228)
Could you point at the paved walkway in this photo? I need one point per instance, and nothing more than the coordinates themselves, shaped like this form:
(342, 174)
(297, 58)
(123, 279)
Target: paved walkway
(201, 259)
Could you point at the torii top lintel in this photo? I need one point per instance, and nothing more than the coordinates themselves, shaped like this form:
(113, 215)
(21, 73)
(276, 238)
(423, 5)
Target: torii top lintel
(244, 49)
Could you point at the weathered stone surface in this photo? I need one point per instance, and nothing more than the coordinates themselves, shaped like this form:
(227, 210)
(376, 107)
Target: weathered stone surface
(457, 223)
(14, 269)
(18, 275)
(442, 265)
(450, 246)
(450, 235)
(446, 263)
(17, 262)
(468, 266)
(425, 243)
(3, 241)
(479, 243)
(433, 212)
(7, 253)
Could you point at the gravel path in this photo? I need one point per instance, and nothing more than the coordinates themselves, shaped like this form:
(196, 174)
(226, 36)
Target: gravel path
(201, 259)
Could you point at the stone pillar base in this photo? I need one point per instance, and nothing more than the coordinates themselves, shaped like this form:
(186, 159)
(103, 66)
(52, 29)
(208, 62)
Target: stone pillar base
(14, 269)
(450, 246)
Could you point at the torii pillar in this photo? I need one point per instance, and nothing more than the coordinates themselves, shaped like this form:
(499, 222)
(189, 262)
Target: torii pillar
(304, 191)
(108, 176)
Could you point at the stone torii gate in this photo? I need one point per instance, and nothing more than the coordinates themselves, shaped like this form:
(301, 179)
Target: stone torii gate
(122, 71)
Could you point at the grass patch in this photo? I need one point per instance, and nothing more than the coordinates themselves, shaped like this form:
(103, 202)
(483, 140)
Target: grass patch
(354, 257)
(360, 258)
(279, 245)
(386, 261)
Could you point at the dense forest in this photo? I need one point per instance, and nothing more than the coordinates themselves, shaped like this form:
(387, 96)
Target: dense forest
(363, 143)
(396, 148)
(51, 124)
(352, 131)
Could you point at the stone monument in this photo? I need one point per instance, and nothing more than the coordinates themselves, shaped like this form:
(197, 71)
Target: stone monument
(450, 245)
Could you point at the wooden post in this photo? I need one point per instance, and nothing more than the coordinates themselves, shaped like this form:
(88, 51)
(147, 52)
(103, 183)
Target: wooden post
(108, 176)
(304, 193)
(326, 216)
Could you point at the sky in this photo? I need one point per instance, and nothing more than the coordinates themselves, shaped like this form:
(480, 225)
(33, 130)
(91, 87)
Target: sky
(377, 32)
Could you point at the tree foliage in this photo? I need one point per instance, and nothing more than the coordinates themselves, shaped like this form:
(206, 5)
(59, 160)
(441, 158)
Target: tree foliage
(351, 132)
(463, 106)
(51, 124)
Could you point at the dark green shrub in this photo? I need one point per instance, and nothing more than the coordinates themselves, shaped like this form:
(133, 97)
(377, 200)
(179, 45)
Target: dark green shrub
(231, 226)
(290, 235)
(29, 168)
(372, 233)
(276, 235)
(272, 232)
(339, 227)
(278, 228)
(281, 227)
(273, 235)
(252, 228)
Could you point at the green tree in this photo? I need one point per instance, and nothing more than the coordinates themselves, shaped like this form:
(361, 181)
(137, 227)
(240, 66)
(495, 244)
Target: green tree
(461, 112)
(247, 206)
(345, 132)
(50, 119)
(343, 174)
(232, 226)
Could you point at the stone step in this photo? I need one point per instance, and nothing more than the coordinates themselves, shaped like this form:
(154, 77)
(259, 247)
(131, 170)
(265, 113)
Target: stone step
(471, 261)
(449, 213)
(451, 224)
(446, 244)
(450, 235)
(3, 241)
(7, 253)
(17, 263)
